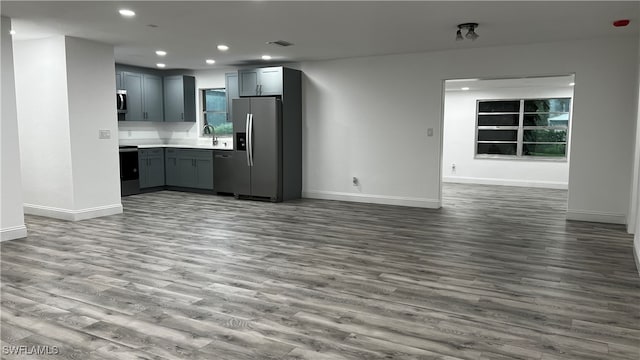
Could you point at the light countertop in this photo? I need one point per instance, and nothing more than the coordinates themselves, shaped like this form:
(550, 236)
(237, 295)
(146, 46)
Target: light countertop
(191, 145)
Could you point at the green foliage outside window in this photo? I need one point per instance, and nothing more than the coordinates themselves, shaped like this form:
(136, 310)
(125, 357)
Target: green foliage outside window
(215, 111)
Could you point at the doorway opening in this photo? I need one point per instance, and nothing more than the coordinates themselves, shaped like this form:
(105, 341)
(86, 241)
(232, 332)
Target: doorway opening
(507, 137)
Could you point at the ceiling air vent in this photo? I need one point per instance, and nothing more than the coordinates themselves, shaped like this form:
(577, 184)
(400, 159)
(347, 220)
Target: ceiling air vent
(279, 43)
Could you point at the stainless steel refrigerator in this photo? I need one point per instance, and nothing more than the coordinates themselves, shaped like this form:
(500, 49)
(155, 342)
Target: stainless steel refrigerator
(265, 166)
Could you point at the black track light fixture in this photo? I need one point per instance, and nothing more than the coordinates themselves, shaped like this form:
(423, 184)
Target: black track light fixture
(471, 31)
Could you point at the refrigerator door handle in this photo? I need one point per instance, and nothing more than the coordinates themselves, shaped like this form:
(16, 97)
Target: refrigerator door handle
(248, 148)
(251, 138)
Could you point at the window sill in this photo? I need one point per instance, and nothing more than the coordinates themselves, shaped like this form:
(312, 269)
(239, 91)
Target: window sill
(521, 158)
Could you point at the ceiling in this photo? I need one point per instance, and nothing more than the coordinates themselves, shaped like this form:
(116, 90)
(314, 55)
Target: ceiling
(190, 31)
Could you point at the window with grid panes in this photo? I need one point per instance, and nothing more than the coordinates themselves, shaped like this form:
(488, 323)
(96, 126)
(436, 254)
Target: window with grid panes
(523, 128)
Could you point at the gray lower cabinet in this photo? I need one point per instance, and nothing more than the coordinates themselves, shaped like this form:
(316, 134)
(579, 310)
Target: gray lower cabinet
(151, 164)
(180, 98)
(189, 168)
(171, 167)
(223, 174)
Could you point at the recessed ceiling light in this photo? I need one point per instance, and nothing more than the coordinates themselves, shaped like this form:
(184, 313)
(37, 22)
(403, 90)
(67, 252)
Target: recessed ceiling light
(464, 88)
(222, 47)
(210, 61)
(266, 57)
(161, 52)
(126, 12)
(12, 32)
(160, 65)
(572, 84)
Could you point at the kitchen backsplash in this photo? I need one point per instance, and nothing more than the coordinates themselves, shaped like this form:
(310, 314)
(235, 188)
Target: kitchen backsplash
(160, 131)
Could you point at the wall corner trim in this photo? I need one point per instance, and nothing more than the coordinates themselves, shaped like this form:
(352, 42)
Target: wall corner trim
(14, 232)
(595, 216)
(72, 215)
(373, 199)
(636, 253)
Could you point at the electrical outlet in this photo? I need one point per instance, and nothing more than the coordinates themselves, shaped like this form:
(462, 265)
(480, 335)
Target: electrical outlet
(104, 134)
(355, 181)
(453, 167)
(430, 132)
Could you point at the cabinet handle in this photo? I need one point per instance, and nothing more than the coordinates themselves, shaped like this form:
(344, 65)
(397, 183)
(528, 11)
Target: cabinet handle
(260, 89)
(181, 116)
(256, 88)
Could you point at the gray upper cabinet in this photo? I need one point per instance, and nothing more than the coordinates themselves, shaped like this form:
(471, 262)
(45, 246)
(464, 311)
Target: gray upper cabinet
(248, 82)
(144, 96)
(270, 81)
(152, 90)
(232, 91)
(260, 82)
(132, 82)
(119, 81)
(180, 98)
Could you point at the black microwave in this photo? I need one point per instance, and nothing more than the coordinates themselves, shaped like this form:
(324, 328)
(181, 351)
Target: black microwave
(121, 101)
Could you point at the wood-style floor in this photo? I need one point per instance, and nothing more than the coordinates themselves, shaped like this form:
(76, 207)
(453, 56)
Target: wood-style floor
(496, 274)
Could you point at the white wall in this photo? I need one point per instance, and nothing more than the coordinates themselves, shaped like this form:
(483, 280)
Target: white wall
(352, 105)
(43, 119)
(64, 91)
(351, 108)
(459, 147)
(90, 88)
(141, 132)
(12, 216)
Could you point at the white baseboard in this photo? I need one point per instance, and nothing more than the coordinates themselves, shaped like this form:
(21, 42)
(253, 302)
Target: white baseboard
(503, 182)
(72, 215)
(373, 199)
(14, 232)
(594, 216)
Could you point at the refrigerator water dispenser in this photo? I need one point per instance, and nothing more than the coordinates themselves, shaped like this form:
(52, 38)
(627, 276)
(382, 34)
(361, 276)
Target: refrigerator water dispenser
(241, 141)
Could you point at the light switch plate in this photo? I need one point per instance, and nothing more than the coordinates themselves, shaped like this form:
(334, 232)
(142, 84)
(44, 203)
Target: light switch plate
(104, 134)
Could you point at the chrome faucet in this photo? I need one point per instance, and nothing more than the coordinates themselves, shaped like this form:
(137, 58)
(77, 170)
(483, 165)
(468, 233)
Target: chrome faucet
(209, 129)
